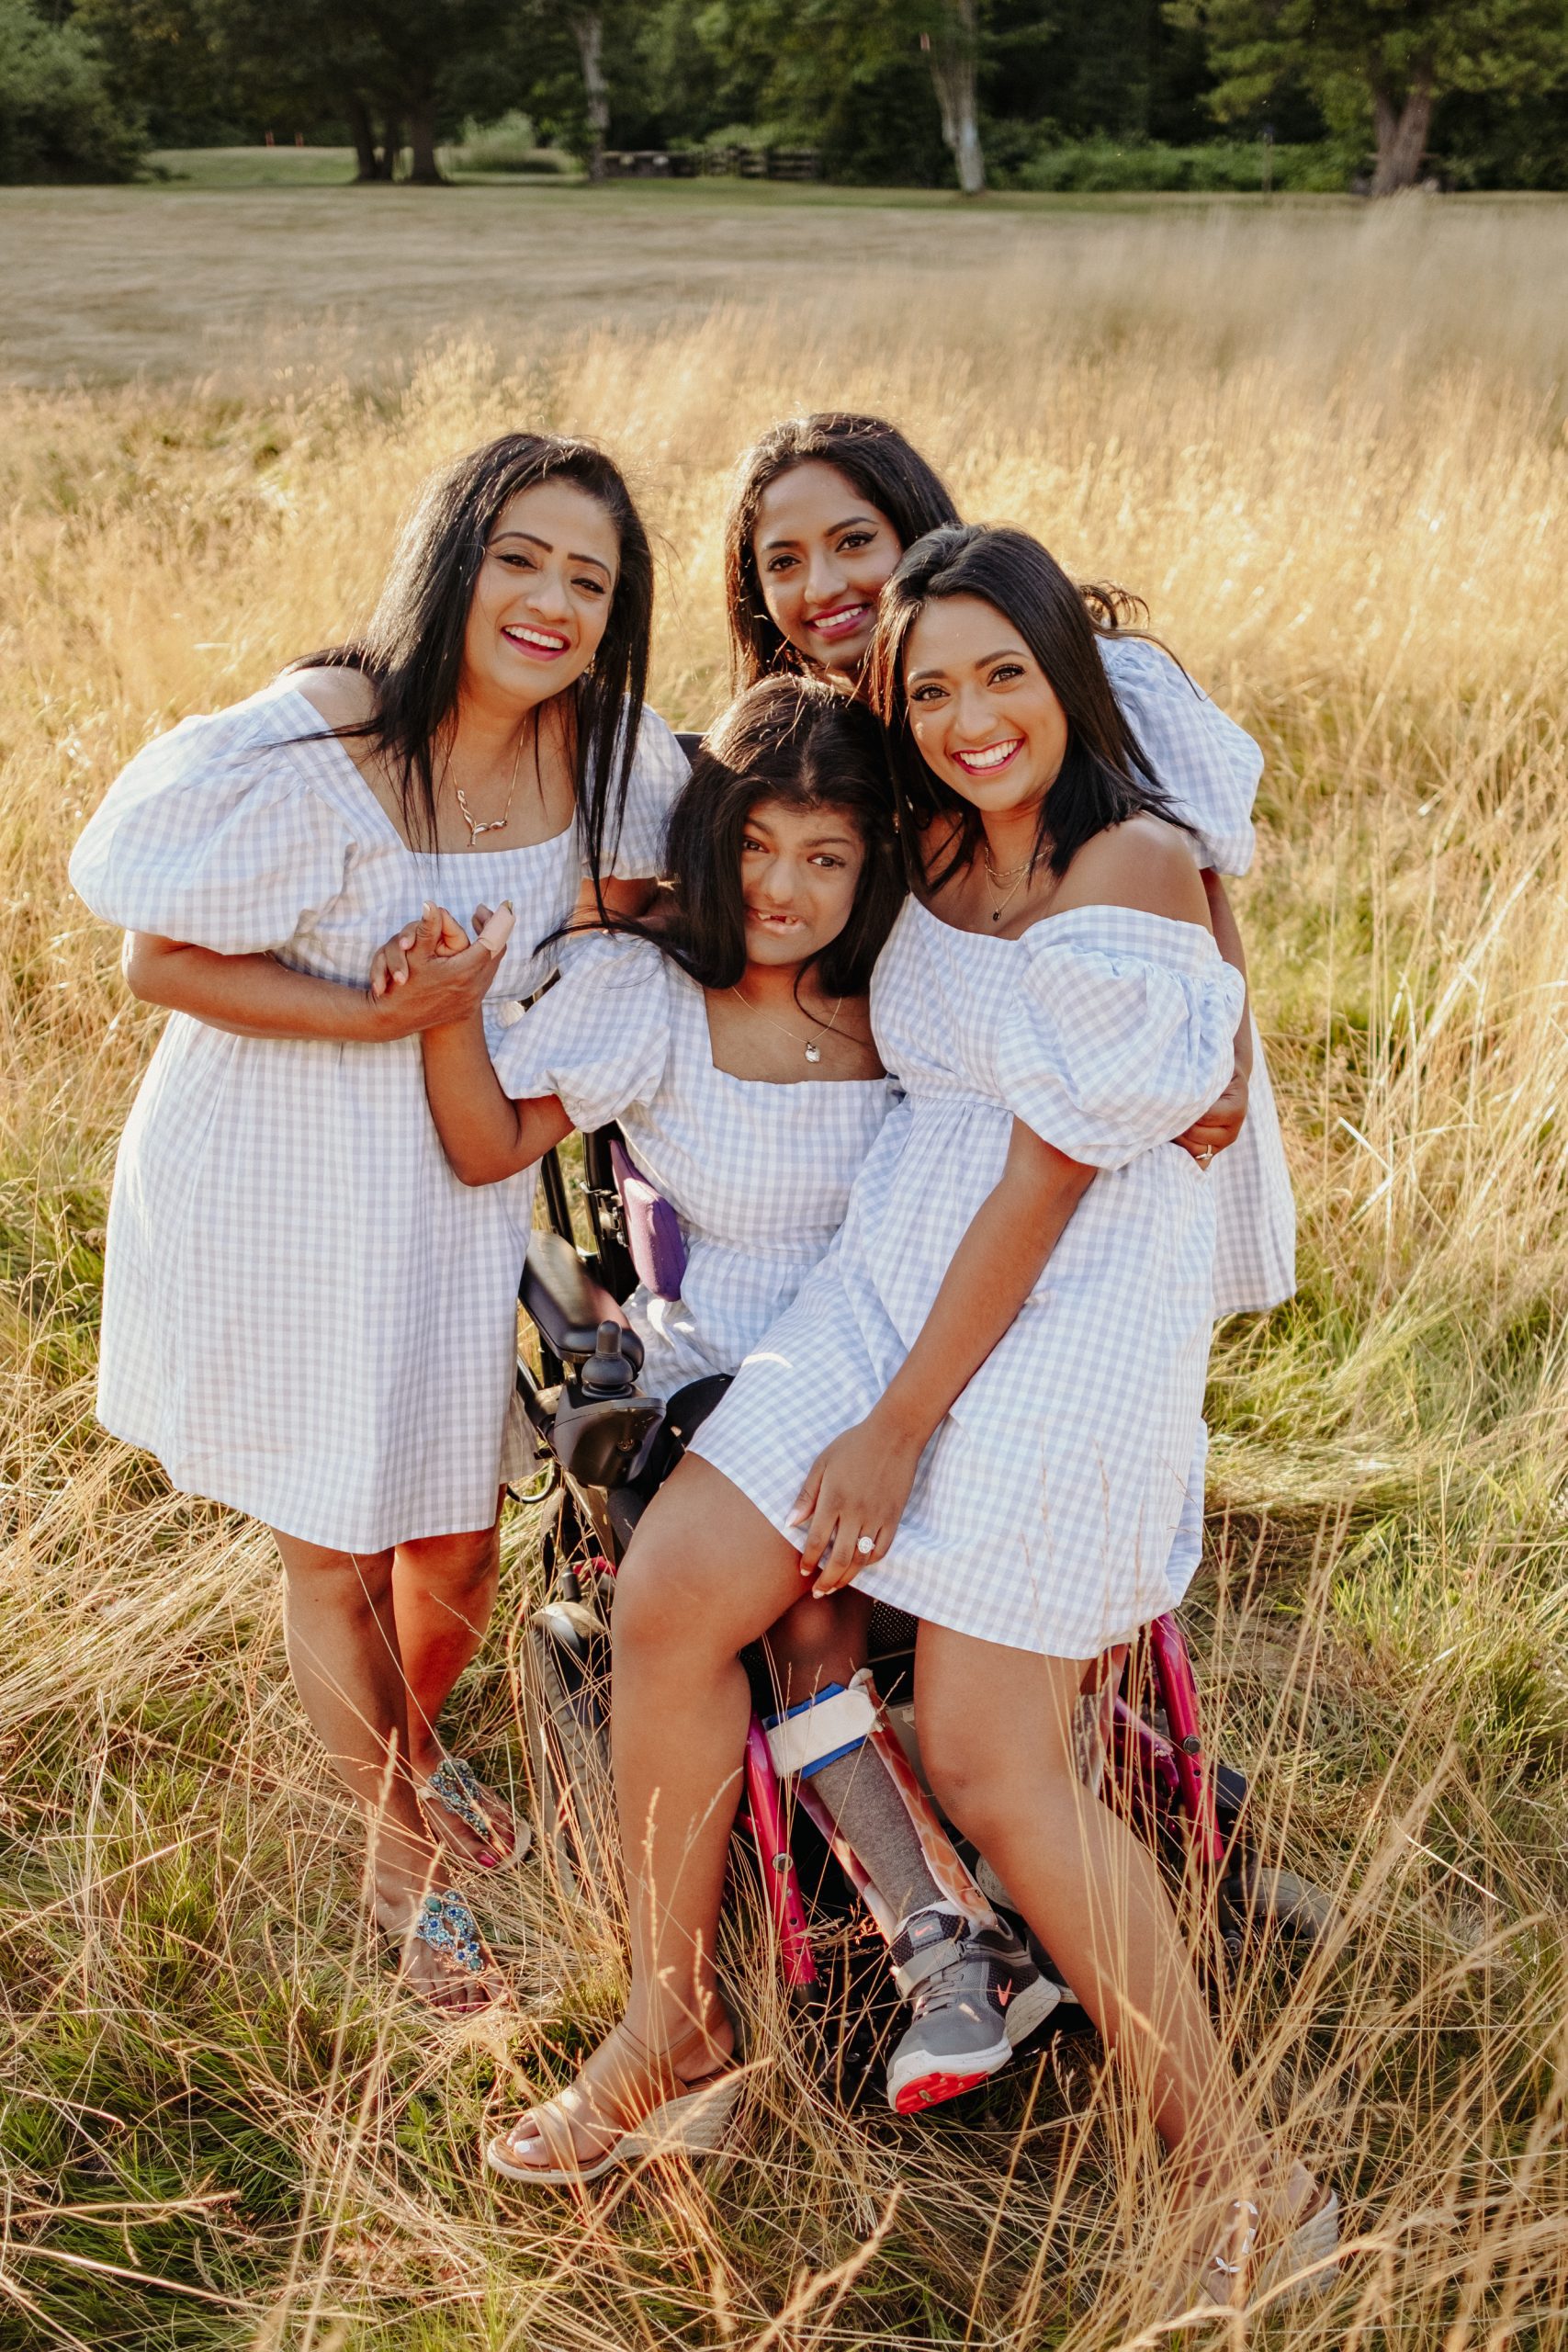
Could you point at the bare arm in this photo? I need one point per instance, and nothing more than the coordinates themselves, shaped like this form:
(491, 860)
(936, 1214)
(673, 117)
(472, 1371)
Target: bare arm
(1224, 1118)
(860, 1485)
(255, 996)
(485, 1134)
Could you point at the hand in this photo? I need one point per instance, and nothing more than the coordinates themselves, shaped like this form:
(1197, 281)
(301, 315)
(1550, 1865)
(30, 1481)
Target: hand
(1220, 1125)
(430, 973)
(856, 1487)
(436, 933)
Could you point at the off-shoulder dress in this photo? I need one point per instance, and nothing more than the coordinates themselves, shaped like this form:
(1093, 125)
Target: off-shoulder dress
(1045, 1508)
(306, 1315)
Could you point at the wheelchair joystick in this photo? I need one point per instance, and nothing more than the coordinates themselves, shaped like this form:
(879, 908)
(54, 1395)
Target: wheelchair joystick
(607, 1372)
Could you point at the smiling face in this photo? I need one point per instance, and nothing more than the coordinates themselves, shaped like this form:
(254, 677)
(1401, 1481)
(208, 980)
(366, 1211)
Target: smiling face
(543, 594)
(799, 871)
(822, 552)
(983, 715)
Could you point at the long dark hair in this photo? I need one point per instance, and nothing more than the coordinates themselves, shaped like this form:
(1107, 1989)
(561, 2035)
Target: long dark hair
(888, 472)
(1105, 776)
(799, 743)
(412, 649)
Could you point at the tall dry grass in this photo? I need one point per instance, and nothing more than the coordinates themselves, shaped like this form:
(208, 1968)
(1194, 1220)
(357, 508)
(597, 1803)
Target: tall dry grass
(219, 2126)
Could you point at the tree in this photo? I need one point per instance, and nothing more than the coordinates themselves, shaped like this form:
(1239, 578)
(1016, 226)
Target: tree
(58, 120)
(587, 25)
(952, 45)
(1389, 59)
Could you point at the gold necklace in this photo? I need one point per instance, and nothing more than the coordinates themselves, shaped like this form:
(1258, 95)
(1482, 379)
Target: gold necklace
(492, 824)
(813, 1049)
(1019, 872)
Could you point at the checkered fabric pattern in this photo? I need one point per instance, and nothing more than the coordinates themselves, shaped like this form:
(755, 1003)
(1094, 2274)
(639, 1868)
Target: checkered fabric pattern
(1045, 1508)
(305, 1315)
(1211, 768)
(758, 1173)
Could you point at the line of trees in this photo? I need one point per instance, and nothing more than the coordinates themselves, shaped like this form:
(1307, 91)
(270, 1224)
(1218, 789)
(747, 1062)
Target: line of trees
(912, 91)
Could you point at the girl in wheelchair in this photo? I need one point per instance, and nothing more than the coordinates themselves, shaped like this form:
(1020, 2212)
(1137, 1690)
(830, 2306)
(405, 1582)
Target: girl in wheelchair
(983, 1403)
(731, 1045)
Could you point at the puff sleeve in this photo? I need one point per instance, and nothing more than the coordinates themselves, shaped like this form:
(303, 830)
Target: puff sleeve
(600, 1038)
(214, 836)
(1208, 765)
(1123, 1031)
(634, 849)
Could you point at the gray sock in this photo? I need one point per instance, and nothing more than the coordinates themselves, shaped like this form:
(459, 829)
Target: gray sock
(862, 1797)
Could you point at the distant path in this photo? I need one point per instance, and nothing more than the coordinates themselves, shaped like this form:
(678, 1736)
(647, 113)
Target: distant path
(101, 283)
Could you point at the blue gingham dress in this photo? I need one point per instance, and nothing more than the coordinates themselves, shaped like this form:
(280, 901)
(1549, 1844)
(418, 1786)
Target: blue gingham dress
(1044, 1509)
(1210, 767)
(758, 1173)
(306, 1315)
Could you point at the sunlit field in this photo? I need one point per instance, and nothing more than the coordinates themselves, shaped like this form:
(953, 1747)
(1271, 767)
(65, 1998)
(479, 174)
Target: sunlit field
(1331, 456)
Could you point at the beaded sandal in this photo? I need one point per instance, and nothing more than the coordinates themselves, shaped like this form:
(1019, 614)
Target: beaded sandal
(444, 1923)
(456, 1788)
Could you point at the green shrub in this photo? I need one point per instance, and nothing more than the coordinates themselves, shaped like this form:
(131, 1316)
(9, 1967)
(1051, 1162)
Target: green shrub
(1097, 167)
(509, 144)
(58, 120)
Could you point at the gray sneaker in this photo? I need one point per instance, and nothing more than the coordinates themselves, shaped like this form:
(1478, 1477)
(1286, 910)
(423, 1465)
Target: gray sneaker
(974, 1993)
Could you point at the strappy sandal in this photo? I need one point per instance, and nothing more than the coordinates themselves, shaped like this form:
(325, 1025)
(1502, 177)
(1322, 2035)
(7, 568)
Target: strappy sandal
(446, 1925)
(692, 2123)
(456, 1788)
(1300, 2265)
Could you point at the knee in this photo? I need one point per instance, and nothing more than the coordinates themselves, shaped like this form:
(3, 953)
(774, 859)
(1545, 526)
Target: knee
(349, 1584)
(659, 1608)
(458, 1567)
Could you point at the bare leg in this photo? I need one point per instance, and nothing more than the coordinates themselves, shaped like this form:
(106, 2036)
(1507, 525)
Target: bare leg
(997, 1735)
(704, 1575)
(342, 1639)
(443, 1594)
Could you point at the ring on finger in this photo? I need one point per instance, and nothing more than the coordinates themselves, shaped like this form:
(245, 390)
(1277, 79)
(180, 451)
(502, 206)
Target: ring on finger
(866, 1547)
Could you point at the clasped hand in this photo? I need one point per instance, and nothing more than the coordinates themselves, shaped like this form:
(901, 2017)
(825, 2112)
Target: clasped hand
(430, 973)
(1221, 1123)
(853, 1496)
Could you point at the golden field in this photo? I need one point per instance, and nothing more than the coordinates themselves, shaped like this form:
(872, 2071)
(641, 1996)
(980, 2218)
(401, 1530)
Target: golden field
(1328, 448)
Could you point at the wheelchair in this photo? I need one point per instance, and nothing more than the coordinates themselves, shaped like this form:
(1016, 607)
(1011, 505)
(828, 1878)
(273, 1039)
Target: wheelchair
(604, 1447)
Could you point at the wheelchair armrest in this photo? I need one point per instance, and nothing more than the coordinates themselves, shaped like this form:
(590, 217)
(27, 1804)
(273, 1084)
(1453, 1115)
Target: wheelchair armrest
(566, 1304)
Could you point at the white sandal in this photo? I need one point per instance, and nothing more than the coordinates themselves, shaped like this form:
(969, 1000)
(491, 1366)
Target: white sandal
(692, 2123)
(1301, 2264)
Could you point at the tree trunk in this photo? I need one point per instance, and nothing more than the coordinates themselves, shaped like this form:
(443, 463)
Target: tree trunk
(588, 31)
(391, 148)
(364, 134)
(952, 51)
(424, 171)
(1402, 134)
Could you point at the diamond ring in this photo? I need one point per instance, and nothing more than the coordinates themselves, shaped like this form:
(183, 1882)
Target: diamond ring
(866, 1547)
(1205, 1155)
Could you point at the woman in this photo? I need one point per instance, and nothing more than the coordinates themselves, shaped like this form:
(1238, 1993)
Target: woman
(731, 1045)
(822, 511)
(1014, 1325)
(290, 1256)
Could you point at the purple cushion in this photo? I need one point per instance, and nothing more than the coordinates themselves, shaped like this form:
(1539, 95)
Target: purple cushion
(654, 1238)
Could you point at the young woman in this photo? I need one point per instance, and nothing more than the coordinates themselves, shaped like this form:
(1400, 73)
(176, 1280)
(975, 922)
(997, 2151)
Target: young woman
(822, 511)
(289, 1255)
(732, 1047)
(983, 1403)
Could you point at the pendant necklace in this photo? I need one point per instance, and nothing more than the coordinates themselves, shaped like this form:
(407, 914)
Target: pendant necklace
(491, 824)
(813, 1049)
(1016, 874)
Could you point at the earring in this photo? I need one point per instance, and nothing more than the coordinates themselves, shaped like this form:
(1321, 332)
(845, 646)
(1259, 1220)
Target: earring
(591, 667)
